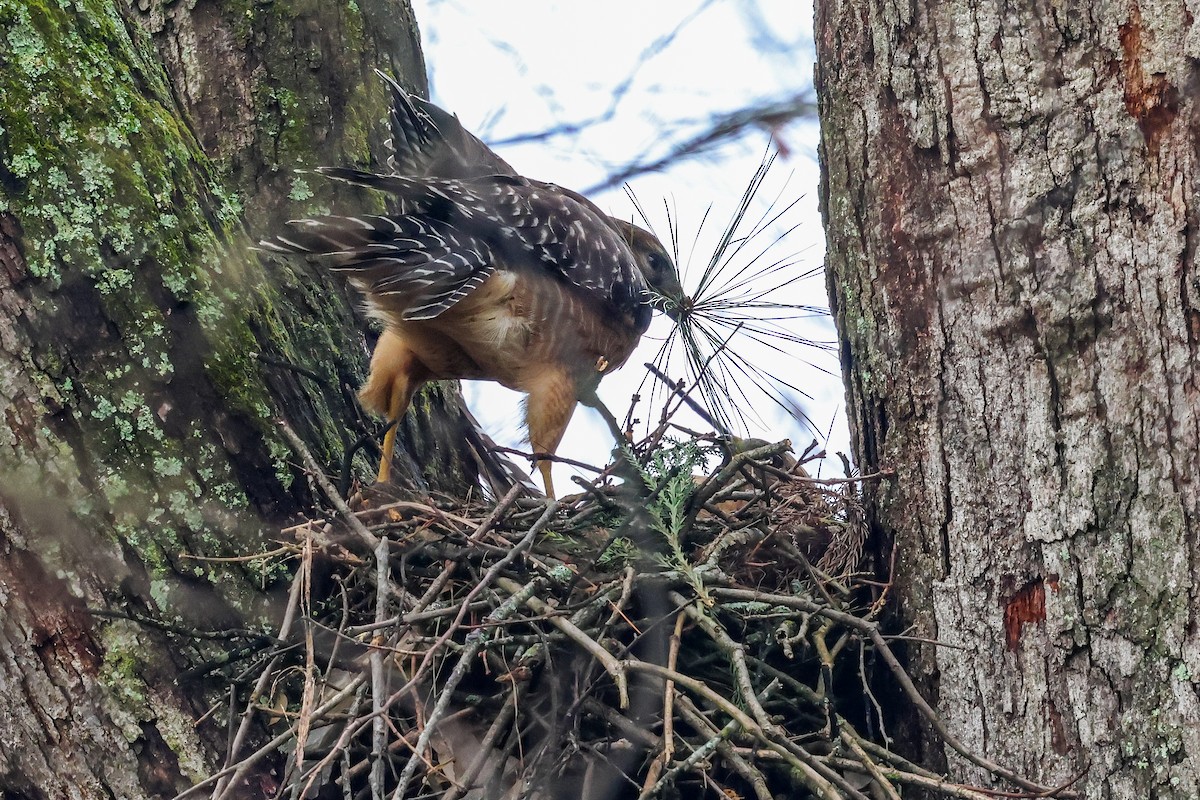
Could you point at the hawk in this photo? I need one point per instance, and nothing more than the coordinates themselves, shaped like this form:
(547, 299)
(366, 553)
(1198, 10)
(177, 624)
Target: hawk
(479, 273)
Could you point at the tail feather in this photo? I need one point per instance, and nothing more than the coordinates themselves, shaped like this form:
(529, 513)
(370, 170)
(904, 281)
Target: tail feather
(430, 142)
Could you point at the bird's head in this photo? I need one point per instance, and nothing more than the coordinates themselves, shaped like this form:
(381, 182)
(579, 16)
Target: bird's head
(657, 267)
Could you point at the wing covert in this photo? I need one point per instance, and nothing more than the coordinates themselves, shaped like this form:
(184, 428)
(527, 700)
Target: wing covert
(526, 225)
(429, 266)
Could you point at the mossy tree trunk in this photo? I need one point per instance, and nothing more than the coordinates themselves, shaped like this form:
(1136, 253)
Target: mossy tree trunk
(1010, 198)
(142, 148)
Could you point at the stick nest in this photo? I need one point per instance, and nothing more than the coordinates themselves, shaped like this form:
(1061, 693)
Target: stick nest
(672, 633)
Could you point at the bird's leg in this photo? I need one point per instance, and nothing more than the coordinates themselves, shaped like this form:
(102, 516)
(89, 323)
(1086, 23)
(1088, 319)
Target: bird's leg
(398, 404)
(396, 374)
(548, 409)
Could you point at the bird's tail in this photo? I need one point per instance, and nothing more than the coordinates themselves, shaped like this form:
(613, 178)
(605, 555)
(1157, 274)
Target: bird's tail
(430, 142)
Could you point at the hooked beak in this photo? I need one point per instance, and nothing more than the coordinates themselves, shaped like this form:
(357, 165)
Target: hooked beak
(668, 296)
(674, 305)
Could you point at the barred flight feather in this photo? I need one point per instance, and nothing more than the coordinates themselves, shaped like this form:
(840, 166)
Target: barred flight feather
(506, 221)
(430, 305)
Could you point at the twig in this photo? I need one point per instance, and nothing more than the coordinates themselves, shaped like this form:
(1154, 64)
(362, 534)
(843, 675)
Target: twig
(749, 772)
(343, 742)
(685, 396)
(870, 476)
(278, 551)
(304, 718)
(813, 779)
(869, 693)
(906, 684)
(365, 538)
(379, 729)
(484, 582)
(935, 785)
(235, 771)
(851, 740)
(508, 711)
(540, 456)
(475, 642)
(737, 658)
(593, 648)
(285, 627)
(497, 513)
(669, 692)
(739, 460)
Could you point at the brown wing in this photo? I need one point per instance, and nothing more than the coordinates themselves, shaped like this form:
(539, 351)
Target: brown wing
(449, 231)
(428, 265)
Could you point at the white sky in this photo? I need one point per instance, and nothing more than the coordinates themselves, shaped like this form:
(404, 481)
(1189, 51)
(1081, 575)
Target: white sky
(523, 66)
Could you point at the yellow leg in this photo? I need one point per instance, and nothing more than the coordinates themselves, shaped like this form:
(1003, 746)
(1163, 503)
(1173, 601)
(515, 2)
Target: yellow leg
(544, 467)
(398, 404)
(395, 376)
(547, 412)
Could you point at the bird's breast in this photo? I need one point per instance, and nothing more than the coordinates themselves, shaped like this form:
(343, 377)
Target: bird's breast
(514, 328)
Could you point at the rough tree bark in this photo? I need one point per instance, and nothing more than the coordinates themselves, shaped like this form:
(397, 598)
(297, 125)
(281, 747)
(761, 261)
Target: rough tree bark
(139, 145)
(1010, 202)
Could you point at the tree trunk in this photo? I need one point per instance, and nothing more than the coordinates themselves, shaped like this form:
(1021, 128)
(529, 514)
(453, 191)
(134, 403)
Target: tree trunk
(139, 427)
(1009, 198)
